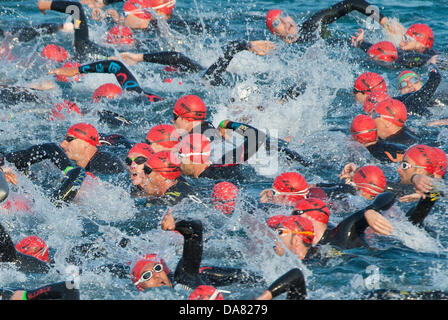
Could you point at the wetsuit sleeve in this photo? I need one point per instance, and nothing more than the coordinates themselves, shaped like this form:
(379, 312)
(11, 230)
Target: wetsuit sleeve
(292, 282)
(173, 59)
(7, 248)
(112, 118)
(23, 159)
(400, 189)
(4, 189)
(335, 189)
(293, 92)
(107, 2)
(6, 294)
(253, 140)
(419, 101)
(349, 232)
(192, 251)
(70, 186)
(290, 154)
(214, 73)
(365, 46)
(57, 291)
(25, 34)
(115, 140)
(418, 214)
(410, 59)
(123, 75)
(223, 276)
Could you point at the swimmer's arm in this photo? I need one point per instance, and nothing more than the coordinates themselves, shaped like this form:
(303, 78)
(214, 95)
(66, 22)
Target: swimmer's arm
(8, 251)
(426, 93)
(65, 290)
(293, 92)
(169, 58)
(70, 186)
(223, 276)
(24, 158)
(292, 282)
(418, 214)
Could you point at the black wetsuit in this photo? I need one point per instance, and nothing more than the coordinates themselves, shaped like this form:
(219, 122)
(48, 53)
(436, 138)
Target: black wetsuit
(418, 214)
(23, 262)
(83, 47)
(65, 290)
(123, 75)
(101, 163)
(420, 101)
(393, 294)
(403, 136)
(14, 94)
(349, 233)
(28, 33)
(212, 74)
(386, 151)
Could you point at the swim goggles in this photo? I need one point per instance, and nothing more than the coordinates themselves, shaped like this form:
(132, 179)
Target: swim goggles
(406, 165)
(137, 160)
(405, 81)
(303, 192)
(69, 138)
(283, 231)
(277, 21)
(147, 275)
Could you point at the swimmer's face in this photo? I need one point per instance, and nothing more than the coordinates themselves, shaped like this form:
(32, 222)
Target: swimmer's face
(411, 85)
(406, 174)
(136, 170)
(286, 28)
(158, 279)
(360, 97)
(409, 44)
(74, 148)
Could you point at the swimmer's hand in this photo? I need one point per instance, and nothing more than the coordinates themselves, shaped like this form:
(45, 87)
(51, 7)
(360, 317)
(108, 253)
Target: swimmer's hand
(267, 295)
(266, 196)
(433, 60)
(97, 14)
(393, 27)
(348, 172)
(44, 5)
(438, 123)
(131, 58)
(43, 85)
(65, 71)
(68, 27)
(168, 223)
(378, 223)
(10, 176)
(358, 38)
(261, 47)
(423, 184)
(222, 128)
(410, 197)
(93, 3)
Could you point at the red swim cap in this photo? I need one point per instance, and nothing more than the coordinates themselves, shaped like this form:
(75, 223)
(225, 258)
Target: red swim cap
(136, 271)
(318, 193)
(370, 179)
(441, 163)
(120, 35)
(363, 129)
(271, 15)
(274, 221)
(190, 107)
(164, 134)
(422, 34)
(85, 132)
(55, 53)
(137, 7)
(35, 247)
(314, 208)
(291, 182)
(393, 111)
(384, 51)
(60, 110)
(108, 90)
(373, 99)
(143, 149)
(301, 225)
(224, 195)
(166, 164)
(195, 147)
(206, 293)
(370, 82)
(69, 79)
(424, 156)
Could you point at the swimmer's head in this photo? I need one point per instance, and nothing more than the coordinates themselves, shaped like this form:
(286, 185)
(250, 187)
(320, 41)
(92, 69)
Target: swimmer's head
(390, 111)
(366, 84)
(282, 25)
(441, 161)
(188, 110)
(161, 166)
(107, 90)
(418, 37)
(64, 109)
(136, 159)
(289, 187)
(383, 51)
(206, 293)
(224, 196)
(34, 246)
(409, 81)
(120, 35)
(312, 208)
(149, 272)
(80, 143)
(363, 129)
(418, 159)
(55, 53)
(163, 137)
(373, 100)
(370, 181)
(139, 8)
(194, 148)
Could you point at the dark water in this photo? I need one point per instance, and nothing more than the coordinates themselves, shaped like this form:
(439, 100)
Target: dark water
(318, 120)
